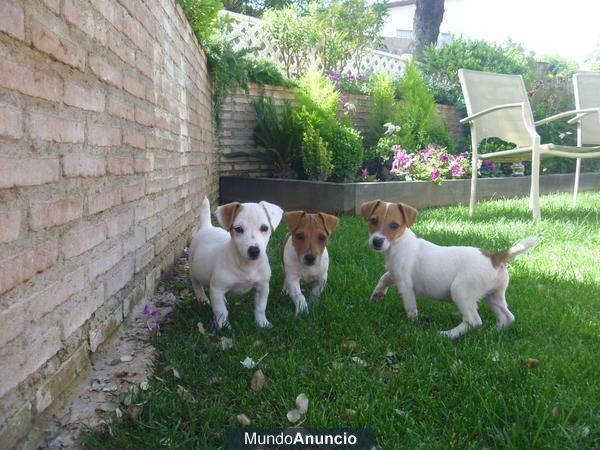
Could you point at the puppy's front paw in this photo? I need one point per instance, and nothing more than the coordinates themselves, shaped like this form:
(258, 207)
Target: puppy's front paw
(450, 334)
(223, 322)
(263, 323)
(301, 307)
(412, 314)
(378, 294)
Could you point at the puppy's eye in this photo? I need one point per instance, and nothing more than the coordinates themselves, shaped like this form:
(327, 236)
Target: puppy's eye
(299, 237)
(374, 220)
(394, 226)
(264, 228)
(239, 230)
(322, 237)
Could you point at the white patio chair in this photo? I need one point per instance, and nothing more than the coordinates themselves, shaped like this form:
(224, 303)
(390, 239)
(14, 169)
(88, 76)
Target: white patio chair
(498, 106)
(587, 95)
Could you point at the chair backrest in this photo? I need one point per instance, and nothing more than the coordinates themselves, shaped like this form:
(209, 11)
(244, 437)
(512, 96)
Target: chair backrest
(483, 90)
(587, 95)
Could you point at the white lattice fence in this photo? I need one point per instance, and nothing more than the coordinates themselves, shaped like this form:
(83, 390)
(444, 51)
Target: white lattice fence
(249, 32)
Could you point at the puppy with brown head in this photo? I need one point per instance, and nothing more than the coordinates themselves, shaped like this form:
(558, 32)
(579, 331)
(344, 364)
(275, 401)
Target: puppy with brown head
(304, 253)
(417, 267)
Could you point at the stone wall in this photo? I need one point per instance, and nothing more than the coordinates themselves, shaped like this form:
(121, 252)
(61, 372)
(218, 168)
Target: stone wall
(239, 121)
(106, 150)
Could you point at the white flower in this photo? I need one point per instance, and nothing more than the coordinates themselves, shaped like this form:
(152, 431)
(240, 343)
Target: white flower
(248, 363)
(391, 128)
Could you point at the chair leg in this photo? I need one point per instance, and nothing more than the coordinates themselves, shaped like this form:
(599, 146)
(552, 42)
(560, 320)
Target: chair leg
(534, 197)
(473, 197)
(576, 185)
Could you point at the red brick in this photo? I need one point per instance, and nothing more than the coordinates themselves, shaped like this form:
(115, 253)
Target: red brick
(104, 136)
(100, 201)
(133, 192)
(53, 128)
(12, 322)
(30, 82)
(51, 214)
(134, 87)
(143, 211)
(119, 223)
(144, 66)
(77, 95)
(10, 224)
(121, 49)
(82, 165)
(110, 11)
(82, 238)
(144, 117)
(143, 165)
(21, 267)
(153, 227)
(106, 71)
(11, 121)
(54, 5)
(120, 165)
(28, 171)
(134, 138)
(135, 240)
(78, 15)
(54, 295)
(118, 277)
(81, 309)
(57, 47)
(12, 19)
(121, 108)
(143, 257)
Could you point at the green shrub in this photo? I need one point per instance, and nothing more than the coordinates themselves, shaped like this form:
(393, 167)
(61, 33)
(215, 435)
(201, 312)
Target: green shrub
(265, 71)
(318, 95)
(417, 117)
(441, 64)
(277, 137)
(316, 157)
(202, 16)
(384, 107)
(346, 146)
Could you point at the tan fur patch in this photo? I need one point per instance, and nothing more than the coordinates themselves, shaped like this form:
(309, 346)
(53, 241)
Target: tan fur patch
(229, 213)
(309, 232)
(391, 219)
(498, 259)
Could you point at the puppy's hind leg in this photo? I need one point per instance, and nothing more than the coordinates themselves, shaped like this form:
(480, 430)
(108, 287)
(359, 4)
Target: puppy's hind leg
(318, 286)
(497, 302)
(199, 291)
(467, 305)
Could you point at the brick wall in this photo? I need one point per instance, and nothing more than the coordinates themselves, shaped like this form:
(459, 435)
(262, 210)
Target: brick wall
(239, 121)
(106, 149)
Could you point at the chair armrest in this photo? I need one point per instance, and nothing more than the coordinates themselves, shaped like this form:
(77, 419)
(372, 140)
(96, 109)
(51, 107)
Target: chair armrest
(578, 113)
(490, 110)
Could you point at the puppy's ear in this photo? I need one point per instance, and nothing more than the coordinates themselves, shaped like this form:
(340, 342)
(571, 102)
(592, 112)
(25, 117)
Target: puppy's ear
(409, 213)
(226, 214)
(292, 219)
(329, 221)
(273, 212)
(367, 208)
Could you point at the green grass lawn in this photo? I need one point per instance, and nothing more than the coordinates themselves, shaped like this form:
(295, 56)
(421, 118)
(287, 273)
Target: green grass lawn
(474, 392)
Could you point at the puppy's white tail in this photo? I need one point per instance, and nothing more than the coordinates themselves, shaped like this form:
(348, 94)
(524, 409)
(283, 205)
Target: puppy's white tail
(522, 246)
(204, 214)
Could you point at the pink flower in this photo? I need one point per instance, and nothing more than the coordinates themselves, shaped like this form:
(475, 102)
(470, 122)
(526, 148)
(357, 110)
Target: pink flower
(435, 174)
(364, 173)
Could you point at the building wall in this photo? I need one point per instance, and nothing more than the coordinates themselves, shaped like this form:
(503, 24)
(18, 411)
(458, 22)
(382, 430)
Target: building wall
(106, 150)
(239, 121)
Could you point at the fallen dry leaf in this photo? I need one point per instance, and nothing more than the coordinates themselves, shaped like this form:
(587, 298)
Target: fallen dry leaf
(532, 362)
(248, 363)
(134, 411)
(258, 381)
(243, 420)
(201, 329)
(358, 361)
(110, 388)
(293, 416)
(257, 343)
(348, 413)
(126, 358)
(557, 411)
(349, 345)
(184, 393)
(176, 373)
(225, 343)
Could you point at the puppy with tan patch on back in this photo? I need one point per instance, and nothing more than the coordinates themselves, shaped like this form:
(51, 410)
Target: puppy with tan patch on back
(234, 258)
(418, 268)
(304, 253)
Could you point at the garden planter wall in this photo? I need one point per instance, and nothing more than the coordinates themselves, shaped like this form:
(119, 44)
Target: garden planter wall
(347, 197)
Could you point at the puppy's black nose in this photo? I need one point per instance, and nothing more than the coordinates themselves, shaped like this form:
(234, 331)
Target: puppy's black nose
(377, 242)
(309, 259)
(253, 252)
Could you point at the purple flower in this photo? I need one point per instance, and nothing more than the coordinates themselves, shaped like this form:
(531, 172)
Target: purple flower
(149, 311)
(457, 171)
(168, 276)
(435, 174)
(213, 328)
(364, 173)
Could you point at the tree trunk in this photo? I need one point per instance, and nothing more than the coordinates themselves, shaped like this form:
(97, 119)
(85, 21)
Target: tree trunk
(426, 25)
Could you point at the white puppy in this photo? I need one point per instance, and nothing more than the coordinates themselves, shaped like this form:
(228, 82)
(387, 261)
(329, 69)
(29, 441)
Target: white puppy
(304, 253)
(420, 268)
(234, 260)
